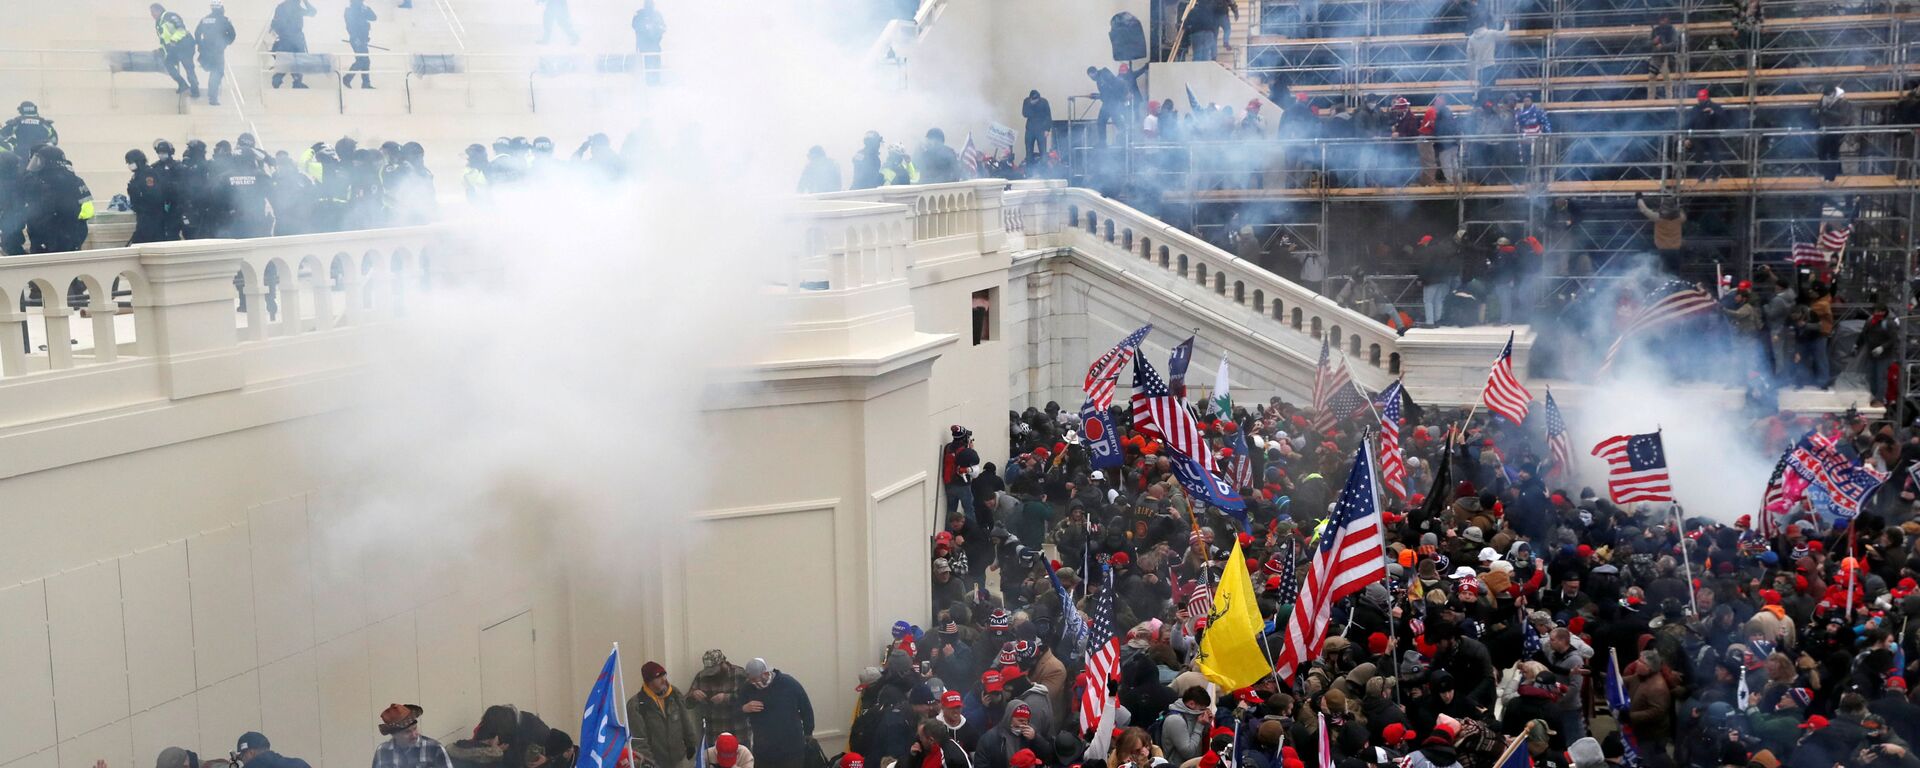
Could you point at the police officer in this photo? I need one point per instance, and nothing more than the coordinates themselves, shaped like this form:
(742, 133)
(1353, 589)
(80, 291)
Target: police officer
(172, 189)
(291, 195)
(244, 198)
(360, 21)
(196, 180)
(13, 205)
(475, 177)
(177, 42)
(25, 133)
(59, 205)
(290, 33)
(213, 35)
(147, 195)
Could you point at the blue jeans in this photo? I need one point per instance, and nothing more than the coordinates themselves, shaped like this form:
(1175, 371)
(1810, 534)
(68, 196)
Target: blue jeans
(1205, 46)
(1817, 363)
(1435, 299)
(960, 496)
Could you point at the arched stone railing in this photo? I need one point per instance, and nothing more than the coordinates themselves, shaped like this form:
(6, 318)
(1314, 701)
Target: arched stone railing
(1091, 221)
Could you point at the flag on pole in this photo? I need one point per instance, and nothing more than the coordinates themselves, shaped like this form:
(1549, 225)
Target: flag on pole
(1221, 404)
(1808, 254)
(1239, 466)
(1193, 102)
(1177, 363)
(1559, 445)
(1833, 242)
(1774, 498)
(603, 735)
(1289, 575)
(1618, 702)
(1504, 395)
(1636, 468)
(1669, 304)
(1157, 406)
(1349, 554)
(1102, 375)
(1230, 654)
(1837, 485)
(1102, 441)
(970, 157)
(1200, 597)
(1334, 395)
(1326, 743)
(1073, 629)
(1516, 755)
(1393, 466)
(1530, 639)
(1103, 663)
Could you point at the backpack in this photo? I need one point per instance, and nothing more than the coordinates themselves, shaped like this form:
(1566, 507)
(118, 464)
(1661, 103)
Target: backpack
(949, 463)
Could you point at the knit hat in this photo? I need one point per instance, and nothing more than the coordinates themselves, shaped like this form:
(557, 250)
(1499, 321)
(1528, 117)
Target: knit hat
(1585, 753)
(651, 671)
(1377, 643)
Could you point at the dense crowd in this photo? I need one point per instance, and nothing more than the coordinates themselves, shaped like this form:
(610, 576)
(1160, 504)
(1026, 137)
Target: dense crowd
(1511, 590)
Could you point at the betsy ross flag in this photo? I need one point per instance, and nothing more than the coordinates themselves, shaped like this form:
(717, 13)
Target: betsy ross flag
(603, 735)
(1636, 468)
(1559, 445)
(1349, 555)
(1393, 466)
(1334, 395)
(1102, 375)
(1670, 303)
(1156, 408)
(970, 157)
(1103, 665)
(1503, 394)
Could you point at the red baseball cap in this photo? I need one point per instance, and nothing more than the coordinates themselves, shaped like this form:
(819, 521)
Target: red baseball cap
(992, 681)
(1024, 759)
(952, 700)
(1814, 723)
(853, 760)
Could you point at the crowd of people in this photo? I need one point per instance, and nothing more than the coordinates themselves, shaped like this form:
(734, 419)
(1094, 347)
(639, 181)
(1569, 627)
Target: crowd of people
(1512, 588)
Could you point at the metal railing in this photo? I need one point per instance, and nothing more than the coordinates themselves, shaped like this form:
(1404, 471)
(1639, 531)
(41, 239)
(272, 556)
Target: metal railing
(647, 68)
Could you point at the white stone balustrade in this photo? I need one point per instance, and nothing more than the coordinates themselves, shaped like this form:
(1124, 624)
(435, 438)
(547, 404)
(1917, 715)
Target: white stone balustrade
(958, 220)
(165, 321)
(1051, 215)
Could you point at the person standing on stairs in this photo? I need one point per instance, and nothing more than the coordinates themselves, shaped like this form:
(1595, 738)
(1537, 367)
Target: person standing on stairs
(290, 33)
(213, 35)
(360, 21)
(557, 15)
(649, 29)
(176, 41)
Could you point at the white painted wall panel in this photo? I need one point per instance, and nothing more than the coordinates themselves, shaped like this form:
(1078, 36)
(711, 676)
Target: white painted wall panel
(159, 613)
(89, 649)
(26, 664)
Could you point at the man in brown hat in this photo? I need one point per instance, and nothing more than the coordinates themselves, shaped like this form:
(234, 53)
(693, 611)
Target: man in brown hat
(405, 747)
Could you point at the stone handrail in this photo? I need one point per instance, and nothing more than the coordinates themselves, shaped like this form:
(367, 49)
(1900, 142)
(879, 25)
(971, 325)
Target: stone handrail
(185, 301)
(1050, 214)
(958, 219)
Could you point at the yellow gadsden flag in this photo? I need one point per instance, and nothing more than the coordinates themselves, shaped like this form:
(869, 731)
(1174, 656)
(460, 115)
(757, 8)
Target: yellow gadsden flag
(1230, 654)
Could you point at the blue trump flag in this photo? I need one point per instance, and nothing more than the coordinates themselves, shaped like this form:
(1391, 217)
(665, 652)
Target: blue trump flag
(1177, 367)
(1205, 487)
(1617, 701)
(602, 734)
(1103, 444)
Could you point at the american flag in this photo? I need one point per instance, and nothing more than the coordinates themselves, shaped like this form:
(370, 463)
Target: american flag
(1326, 743)
(1530, 640)
(1334, 395)
(1636, 468)
(1155, 408)
(1200, 598)
(1289, 579)
(1776, 494)
(970, 157)
(1833, 242)
(1240, 466)
(1672, 302)
(1102, 375)
(1103, 660)
(1349, 555)
(1503, 394)
(1393, 466)
(1559, 445)
(1806, 254)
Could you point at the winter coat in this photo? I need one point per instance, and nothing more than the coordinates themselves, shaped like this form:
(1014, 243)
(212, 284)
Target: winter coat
(1433, 756)
(1182, 737)
(1050, 672)
(781, 729)
(664, 728)
(1652, 711)
(1834, 112)
(720, 687)
(938, 163)
(998, 745)
(1667, 232)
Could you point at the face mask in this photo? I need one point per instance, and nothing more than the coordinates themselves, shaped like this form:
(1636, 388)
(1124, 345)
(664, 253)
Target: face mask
(1586, 518)
(133, 166)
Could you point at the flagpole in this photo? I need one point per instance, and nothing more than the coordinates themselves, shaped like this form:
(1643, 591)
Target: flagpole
(620, 682)
(1686, 558)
